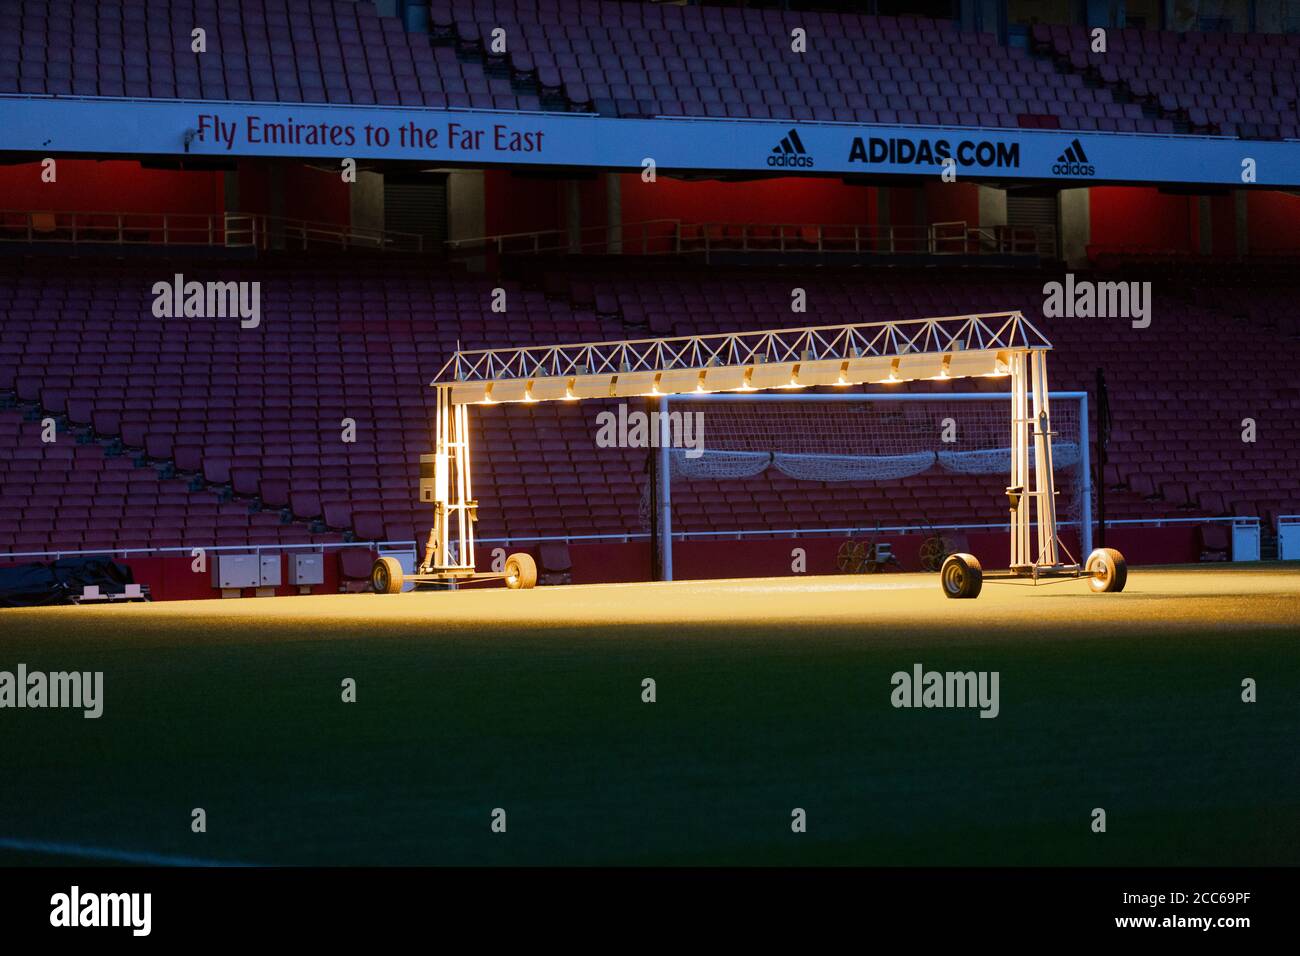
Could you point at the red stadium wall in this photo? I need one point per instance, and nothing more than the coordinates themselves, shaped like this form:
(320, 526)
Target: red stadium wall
(697, 560)
(599, 563)
(124, 186)
(316, 195)
(1174, 544)
(777, 201)
(952, 202)
(171, 578)
(903, 210)
(1223, 226)
(521, 203)
(254, 186)
(1274, 222)
(113, 186)
(1143, 218)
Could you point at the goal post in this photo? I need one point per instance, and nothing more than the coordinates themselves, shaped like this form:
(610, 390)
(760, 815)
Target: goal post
(877, 441)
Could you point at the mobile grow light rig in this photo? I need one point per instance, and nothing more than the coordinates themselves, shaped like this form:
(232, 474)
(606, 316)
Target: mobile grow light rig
(990, 344)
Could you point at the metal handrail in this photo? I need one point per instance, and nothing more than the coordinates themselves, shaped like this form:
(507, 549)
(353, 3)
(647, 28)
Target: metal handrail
(627, 536)
(675, 237)
(230, 229)
(604, 238)
(189, 551)
(858, 529)
(303, 232)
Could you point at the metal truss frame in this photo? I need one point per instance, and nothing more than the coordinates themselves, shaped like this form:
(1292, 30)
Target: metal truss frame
(535, 372)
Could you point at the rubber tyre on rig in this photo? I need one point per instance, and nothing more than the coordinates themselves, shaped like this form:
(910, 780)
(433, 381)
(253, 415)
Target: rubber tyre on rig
(1107, 571)
(521, 572)
(386, 576)
(961, 576)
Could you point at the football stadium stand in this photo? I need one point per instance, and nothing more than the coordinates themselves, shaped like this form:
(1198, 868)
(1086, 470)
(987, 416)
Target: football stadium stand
(639, 59)
(269, 50)
(194, 430)
(1232, 84)
(308, 428)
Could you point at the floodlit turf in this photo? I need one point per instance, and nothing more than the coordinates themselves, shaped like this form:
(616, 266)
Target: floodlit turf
(772, 694)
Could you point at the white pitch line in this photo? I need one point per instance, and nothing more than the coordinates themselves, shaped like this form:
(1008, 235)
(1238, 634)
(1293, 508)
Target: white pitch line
(109, 853)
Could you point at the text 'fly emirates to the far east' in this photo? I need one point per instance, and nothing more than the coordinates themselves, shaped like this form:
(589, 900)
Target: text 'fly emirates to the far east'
(448, 137)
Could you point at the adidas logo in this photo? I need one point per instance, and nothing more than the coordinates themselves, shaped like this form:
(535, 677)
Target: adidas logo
(1074, 154)
(790, 152)
(1074, 162)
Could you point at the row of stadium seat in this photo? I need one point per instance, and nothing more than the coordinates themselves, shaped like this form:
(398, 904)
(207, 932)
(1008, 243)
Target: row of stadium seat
(266, 428)
(624, 59)
(739, 63)
(1230, 84)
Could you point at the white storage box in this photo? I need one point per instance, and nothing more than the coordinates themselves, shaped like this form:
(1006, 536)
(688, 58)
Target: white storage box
(236, 571)
(306, 569)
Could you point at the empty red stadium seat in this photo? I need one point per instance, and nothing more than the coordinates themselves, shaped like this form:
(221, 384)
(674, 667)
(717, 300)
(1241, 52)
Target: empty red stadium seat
(355, 563)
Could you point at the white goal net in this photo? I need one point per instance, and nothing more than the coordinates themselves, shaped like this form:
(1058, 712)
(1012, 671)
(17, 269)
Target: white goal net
(946, 444)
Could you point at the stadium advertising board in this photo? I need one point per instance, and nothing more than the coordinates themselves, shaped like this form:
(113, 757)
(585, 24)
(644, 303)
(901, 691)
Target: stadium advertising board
(60, 125)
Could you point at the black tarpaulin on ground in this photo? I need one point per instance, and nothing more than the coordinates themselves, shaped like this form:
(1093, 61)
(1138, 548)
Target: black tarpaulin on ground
(58, 582)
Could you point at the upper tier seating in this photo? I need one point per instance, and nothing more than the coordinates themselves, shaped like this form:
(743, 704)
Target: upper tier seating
(312, 51)
(1236, 84)
(637, 59)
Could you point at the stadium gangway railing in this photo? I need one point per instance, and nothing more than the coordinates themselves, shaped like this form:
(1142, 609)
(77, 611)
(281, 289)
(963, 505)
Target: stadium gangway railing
(113, 228)
(649, 237)
(959, 238)
(279, 232)
(674, 237)
(859, 529)
(1292, 521)
(232, 230)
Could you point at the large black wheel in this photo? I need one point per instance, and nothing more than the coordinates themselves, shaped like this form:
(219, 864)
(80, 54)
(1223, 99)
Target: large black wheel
(961, 576)
(521, 571)
(386, 576)
(1107, 570)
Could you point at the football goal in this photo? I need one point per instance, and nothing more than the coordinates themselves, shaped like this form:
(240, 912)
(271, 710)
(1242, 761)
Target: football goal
(853, 464)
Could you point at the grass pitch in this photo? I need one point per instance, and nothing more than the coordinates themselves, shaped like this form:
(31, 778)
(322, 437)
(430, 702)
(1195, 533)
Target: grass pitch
(771, 695)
